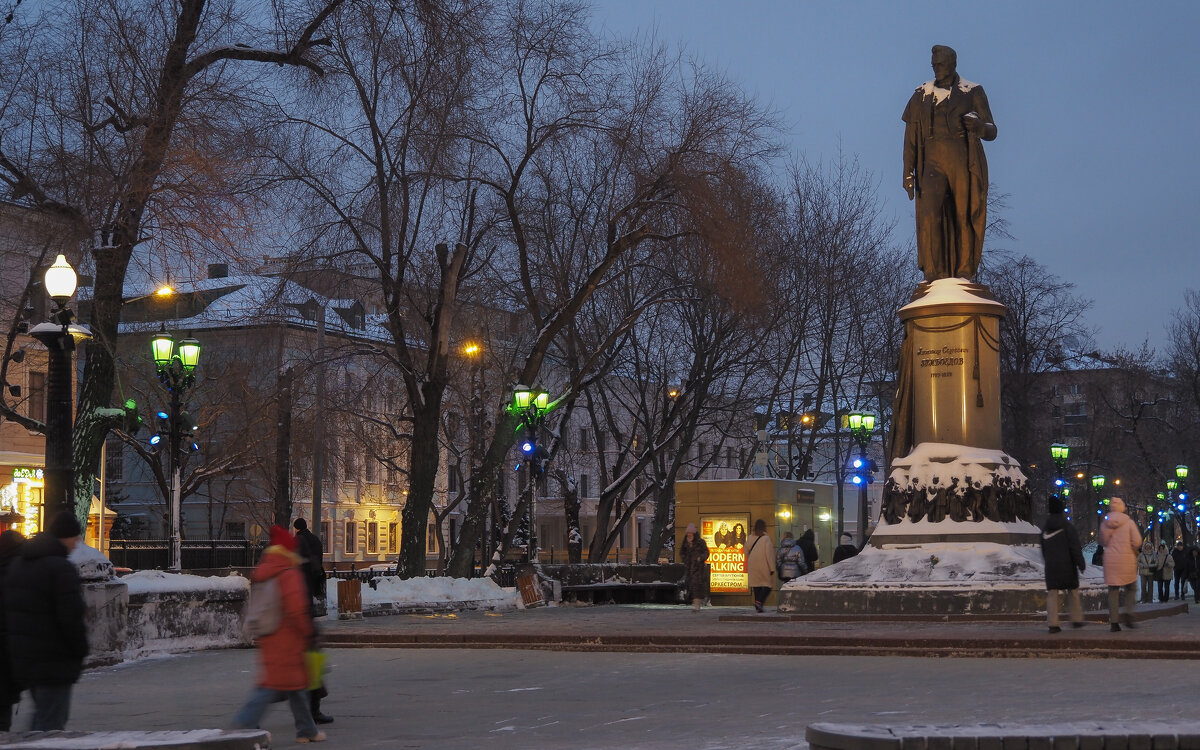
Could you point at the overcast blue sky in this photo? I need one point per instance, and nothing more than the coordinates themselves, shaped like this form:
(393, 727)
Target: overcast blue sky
(1097, 105)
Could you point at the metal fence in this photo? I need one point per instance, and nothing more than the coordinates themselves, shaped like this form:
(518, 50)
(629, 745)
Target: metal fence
(155, 554)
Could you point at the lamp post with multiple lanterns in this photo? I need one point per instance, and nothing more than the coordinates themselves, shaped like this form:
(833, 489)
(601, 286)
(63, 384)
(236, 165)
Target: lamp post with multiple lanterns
(176, 365)
(1060, 453)
(530, 407)
(861, 425)
(59, 336)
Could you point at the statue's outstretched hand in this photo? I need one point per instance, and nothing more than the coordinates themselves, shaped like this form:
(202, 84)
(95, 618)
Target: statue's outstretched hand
(973, 123)
(910, 186)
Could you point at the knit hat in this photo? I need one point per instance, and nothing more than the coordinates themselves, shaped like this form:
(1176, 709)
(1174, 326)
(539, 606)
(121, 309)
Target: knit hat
(691, 529)
(1055, 505)
(1116, 505)
(65, 525)
(846, 539)
(281, 537)
(300, 524)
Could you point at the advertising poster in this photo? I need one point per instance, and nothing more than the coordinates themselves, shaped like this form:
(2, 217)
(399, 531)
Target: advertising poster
(725, 535)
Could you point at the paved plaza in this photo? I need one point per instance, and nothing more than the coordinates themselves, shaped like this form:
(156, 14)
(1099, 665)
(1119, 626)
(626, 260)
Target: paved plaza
(516, 698)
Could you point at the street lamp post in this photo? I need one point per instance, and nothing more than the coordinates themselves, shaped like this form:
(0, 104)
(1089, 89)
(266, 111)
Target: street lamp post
(58, 336)
(176, 366)
(1060, 453)
(530, 406)
(862, 424)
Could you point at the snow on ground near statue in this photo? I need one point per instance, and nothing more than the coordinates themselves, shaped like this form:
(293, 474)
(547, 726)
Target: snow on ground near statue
(390, 592)
(936, 465)
(908, 527)
(938, 565)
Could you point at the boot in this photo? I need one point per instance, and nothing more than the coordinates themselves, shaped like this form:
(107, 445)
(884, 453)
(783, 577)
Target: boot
(314, 703)
(695, 605)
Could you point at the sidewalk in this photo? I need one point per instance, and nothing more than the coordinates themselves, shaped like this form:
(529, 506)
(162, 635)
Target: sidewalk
(1164, 631)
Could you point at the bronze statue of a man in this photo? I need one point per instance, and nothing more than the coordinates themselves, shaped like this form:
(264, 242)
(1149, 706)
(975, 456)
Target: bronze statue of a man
(945, 170)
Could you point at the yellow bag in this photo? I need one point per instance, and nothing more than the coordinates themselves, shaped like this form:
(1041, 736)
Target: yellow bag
(315, 661)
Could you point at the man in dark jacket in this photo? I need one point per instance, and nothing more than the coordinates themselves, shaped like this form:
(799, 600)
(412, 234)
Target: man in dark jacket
(47, 639)
(1064, 563)
(1180, 556)
(308, 547)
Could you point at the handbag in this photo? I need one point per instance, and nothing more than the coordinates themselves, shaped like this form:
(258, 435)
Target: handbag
(314, 661)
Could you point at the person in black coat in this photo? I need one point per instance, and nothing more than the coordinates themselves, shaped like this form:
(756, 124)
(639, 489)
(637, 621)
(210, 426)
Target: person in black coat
(11, 542)
(1180, 556)
(47, 638)
(1064, 563)
(808, 546)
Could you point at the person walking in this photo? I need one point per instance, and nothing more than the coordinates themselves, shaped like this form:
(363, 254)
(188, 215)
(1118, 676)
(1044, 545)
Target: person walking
(789, 561)
(1191, 570)
(760, 564)
(1121, 539)
(694, 555)
(808, 546)
(1064, 563)
(1164, 572)
(311, 552)
(11, 542)
(845, 550)
(1180, 556)
(1146, 565)
(47, 638)
(282, 668)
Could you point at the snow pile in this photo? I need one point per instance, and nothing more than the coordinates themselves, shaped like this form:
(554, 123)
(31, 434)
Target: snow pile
(162, 582)
(908, 527)
(92, 564)
(951, 292)
(389, 593)
(940, 465)
(978, 564)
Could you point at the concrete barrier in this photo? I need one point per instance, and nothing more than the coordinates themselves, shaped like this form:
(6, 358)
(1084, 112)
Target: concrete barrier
(1067, 735)
(192, 739)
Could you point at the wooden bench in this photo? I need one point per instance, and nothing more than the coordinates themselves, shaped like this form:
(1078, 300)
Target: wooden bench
(1065, 735)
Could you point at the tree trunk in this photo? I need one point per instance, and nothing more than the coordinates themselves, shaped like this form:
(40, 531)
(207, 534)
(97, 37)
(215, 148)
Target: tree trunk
(414, 518)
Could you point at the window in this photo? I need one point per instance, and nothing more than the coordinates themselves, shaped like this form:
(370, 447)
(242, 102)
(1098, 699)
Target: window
(349, 468)
(372, 538)
(393, 537)
(584, 489)
(391, 474)
(730, 459)
(600, 441)
(351, 545)
(327, 537)
(584, 442)
(37, 396)
(114, 461)
(431, 546)
(453, 531)
(452, 479)
(370, 466)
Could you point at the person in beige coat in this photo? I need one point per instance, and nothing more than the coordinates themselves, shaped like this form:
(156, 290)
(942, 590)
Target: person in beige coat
(1121, 539)
(760, 564)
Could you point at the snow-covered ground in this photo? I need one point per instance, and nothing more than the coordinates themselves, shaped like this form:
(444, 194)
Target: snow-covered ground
(395, 594)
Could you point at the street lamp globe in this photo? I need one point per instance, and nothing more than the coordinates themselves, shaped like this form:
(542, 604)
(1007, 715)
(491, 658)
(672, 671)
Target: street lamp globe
(1098, 482)
(1181, 472)
(1060, 452)
(189, 354)
(163, 348)
(60, 280)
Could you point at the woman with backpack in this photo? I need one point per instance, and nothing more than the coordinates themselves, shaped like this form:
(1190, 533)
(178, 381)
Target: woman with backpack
(282, 636)
(789, 560)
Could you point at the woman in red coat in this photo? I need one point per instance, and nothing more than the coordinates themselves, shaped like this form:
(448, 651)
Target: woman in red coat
(283, 673)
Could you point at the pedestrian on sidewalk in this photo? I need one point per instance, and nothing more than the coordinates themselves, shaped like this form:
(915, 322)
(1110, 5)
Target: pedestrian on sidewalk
(47, 638)
(789, 561)
(308, 546)
(1064, 563)
(845, 550)
(1147, 563)
(1121, 539)
(1191, 570)
(1180, 556)
(693, 553)
(760, 564)
(1165, 572)
(812, 553)
(11, 542)
(282, 668)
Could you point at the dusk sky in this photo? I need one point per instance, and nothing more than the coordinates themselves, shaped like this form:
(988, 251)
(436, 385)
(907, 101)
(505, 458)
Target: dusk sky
(1097, 105)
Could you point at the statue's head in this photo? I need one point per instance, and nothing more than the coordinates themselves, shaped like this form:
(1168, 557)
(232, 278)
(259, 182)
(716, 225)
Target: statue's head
(944, 61)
